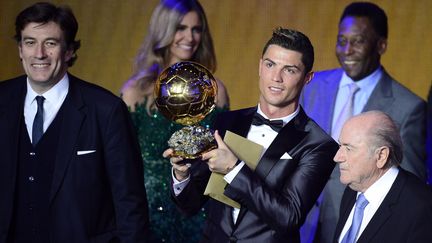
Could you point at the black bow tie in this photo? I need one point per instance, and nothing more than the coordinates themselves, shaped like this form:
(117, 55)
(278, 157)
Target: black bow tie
(259, 120)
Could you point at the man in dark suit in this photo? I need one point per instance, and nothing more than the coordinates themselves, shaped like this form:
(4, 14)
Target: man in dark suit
(292, 171)
(397, 205)
(361, 41)
(70, 168)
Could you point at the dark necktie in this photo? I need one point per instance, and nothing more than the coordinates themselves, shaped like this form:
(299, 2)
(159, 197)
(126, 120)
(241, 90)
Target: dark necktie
(37, 131)
(259, 120)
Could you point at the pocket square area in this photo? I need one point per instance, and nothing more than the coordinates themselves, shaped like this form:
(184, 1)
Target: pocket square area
(286, 156)
(82, 152)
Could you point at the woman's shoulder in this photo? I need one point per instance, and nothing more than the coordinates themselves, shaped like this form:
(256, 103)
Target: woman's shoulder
(222, 96)
(133, 94)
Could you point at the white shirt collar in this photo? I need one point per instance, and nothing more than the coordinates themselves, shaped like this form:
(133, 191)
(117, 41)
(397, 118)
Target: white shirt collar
(285, 119)
(366, 83)
(54, 99)
(376, 193)
(53, 95)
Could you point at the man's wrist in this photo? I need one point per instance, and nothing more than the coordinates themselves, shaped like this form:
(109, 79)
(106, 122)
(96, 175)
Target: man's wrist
(229, 169)
(181, 177)
(229, 177)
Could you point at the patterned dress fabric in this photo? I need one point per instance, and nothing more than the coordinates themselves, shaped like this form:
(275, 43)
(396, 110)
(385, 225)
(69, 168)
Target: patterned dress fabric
(167, 223)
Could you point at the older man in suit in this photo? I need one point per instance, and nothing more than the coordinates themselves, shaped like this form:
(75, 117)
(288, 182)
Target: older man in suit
(362, 84)
(382, 202)
(291, 173)
(70, 168)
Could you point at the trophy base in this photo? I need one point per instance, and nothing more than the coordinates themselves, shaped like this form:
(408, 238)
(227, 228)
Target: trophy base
(192, 141)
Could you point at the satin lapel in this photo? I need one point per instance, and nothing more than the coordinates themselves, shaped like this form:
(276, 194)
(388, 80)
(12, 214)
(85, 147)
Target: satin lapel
(385, 209)
(241, 127)
(69, 130)
(242, 213)
(382, 96)
(229, 216)
(287, 138)
(243, 123)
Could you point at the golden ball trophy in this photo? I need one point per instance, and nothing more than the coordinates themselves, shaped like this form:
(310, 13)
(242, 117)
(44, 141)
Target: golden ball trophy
(185, 93)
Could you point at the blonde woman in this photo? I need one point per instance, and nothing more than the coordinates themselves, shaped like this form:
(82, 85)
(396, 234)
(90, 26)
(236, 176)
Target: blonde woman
(178, 31)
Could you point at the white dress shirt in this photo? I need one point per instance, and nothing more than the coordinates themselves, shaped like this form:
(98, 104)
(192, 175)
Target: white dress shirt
(361, 97)
(54, 98)
(262, 135)
(375, 195)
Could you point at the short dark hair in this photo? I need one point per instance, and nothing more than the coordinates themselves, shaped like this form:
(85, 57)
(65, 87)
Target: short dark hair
(373, 12)
(43, 12)
(293, 40)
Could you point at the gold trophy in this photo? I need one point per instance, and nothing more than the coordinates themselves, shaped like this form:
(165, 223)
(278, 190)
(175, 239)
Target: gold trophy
(185, 93)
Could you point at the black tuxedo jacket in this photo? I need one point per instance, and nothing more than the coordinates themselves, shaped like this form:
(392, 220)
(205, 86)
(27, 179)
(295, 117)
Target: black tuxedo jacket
(276, 197)
(94, 197)
(405, 215)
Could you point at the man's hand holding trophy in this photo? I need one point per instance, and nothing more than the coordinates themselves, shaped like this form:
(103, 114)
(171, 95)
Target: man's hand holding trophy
(185, 93)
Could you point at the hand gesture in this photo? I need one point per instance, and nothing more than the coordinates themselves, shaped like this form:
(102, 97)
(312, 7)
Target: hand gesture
(181, 170)
(220, 160)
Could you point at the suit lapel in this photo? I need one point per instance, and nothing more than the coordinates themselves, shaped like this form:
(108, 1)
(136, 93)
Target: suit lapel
(288, 137)
(228, 212)
(15, 119)
(11, 120)
(322, 97)
(242, 125)
(385, 209)
(332, 81)
(382, 96)
(347, 203)
(69, 130)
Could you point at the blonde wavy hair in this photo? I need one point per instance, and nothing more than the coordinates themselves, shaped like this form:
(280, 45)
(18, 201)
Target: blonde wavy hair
(153, 55)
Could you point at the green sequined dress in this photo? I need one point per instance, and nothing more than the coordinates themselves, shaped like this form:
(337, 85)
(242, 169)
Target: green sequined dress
(167, 224)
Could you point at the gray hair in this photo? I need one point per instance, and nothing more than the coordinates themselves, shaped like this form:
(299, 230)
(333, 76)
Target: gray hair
(385, 132)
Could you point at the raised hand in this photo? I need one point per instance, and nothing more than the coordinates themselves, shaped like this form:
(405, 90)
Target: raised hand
(181, 170)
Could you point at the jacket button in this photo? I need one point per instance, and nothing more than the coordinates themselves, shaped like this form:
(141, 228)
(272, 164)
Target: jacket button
(232, 239)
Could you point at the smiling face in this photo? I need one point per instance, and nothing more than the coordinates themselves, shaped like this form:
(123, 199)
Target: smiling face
(43, 54)
(358, 47)
(186, 39)
(281, 79)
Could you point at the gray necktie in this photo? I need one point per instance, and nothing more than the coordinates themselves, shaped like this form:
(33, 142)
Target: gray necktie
(346, 112)
(37, 131)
